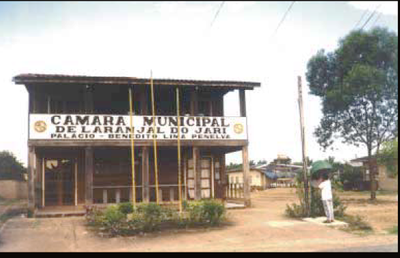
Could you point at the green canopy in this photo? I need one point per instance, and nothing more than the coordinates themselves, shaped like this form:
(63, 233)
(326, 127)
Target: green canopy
(320, 165)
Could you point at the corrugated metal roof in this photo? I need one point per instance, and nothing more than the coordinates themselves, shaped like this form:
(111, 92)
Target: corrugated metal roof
(29, 78)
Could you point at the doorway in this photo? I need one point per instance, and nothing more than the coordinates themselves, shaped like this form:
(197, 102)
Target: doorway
(59, 183)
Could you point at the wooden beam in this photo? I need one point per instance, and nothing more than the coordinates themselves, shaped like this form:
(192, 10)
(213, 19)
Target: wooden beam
(145, 174)
(246, 176)
(31, 180)
(89, 170)
(197, 173)
(126, 142)
(242, 100)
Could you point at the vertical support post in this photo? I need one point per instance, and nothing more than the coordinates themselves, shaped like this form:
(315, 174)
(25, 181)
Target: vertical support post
(132, 149)
(223, 177)
(154, 137)
(31, 180)
(179, 152)
(197, 173)
(145, 174)
(76, 182)
(43, 163)
(105, 196)
(303, 141)
(89, 169)
(242, 101)
(246, 175)
(171, 194)
(118, 195)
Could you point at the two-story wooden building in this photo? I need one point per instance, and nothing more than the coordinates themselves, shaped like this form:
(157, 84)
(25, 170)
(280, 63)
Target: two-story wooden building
(80, 137)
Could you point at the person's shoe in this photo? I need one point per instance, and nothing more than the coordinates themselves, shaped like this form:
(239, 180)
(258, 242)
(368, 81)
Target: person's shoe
(327, 221)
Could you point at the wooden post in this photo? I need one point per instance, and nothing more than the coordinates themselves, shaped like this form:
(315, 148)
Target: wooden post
(31, 180)
(242, 100)
(118, 195)
(105, 196)
(132, 149)
(145, 174)
(246, 175)
(89, 169)
(197, 173)
(154, 138)
(223, 178)
(303, 141)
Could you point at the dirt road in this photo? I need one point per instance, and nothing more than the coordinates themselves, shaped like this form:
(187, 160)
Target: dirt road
(262, 228)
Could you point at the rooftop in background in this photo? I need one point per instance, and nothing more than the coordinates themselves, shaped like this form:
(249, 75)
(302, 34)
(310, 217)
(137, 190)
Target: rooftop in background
(79, 79)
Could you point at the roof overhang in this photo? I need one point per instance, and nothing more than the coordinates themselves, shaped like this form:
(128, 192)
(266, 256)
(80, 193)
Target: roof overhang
(29, 79)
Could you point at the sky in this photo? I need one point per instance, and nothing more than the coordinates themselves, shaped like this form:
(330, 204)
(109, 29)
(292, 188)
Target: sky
(179, 40)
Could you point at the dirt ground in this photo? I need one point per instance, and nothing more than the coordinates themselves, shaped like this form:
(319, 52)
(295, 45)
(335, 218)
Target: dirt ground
(262, 228)
(381, 214)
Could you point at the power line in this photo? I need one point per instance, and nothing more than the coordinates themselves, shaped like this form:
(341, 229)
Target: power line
(372, 14)
(217, 13)
(379, 16)
(283, 18)
(362, 17)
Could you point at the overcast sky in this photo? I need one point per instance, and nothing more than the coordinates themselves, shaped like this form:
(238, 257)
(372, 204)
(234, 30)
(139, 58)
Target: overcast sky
(176, 40)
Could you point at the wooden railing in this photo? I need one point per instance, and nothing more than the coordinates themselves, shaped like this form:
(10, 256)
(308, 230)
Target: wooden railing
(235, 191)
(118, 194)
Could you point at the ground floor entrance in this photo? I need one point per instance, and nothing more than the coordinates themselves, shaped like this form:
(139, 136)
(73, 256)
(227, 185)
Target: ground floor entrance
(79, 176)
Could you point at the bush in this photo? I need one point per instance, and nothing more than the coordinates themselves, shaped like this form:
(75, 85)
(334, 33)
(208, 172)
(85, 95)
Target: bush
(150, 216)
(122, 219)
(317, 208)
(206, 212)
(125, 208)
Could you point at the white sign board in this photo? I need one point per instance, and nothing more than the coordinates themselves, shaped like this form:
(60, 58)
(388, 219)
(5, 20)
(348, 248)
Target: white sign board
(117, 127)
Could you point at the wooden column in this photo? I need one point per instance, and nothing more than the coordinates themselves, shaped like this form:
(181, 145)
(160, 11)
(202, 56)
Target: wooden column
(89, 170)
(242, 100)
(224, 181)
(31, 180)
(197, 173)
(88, 99)
(145, 175)
(194, 103)
(246, 175)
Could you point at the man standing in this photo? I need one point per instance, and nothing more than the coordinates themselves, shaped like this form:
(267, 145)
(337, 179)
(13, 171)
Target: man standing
(320, 171)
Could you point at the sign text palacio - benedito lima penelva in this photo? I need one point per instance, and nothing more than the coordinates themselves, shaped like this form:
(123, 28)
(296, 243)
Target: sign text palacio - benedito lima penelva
(117, 127)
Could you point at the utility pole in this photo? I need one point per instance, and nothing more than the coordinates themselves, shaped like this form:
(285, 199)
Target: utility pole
(303, 141)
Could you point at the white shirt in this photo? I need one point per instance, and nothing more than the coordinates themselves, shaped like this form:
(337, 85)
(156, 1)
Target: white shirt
(326, 190)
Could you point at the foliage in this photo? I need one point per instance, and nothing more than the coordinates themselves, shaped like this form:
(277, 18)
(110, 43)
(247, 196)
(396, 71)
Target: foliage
(388, 156)
(10, 167)
(295, 210)
(358, 86)
(122, 219)
(351, 174)
(356, 223)
(125, 208)
(206, 211)
(394, 230)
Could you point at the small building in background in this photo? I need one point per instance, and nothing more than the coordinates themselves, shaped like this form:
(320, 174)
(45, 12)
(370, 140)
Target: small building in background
(260, 178)
(383, 178)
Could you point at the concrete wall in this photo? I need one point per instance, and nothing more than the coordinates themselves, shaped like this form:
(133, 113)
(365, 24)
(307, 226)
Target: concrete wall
(11, 189)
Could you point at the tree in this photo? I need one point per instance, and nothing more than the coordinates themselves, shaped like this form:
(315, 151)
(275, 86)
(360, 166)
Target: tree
(10, 167)
(358, 86)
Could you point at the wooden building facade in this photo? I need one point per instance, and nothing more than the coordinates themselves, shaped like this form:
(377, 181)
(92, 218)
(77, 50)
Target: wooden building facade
(79, 139)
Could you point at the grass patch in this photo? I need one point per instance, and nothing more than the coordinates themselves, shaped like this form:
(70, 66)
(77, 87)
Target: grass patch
(356, 224)
(393, 231)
